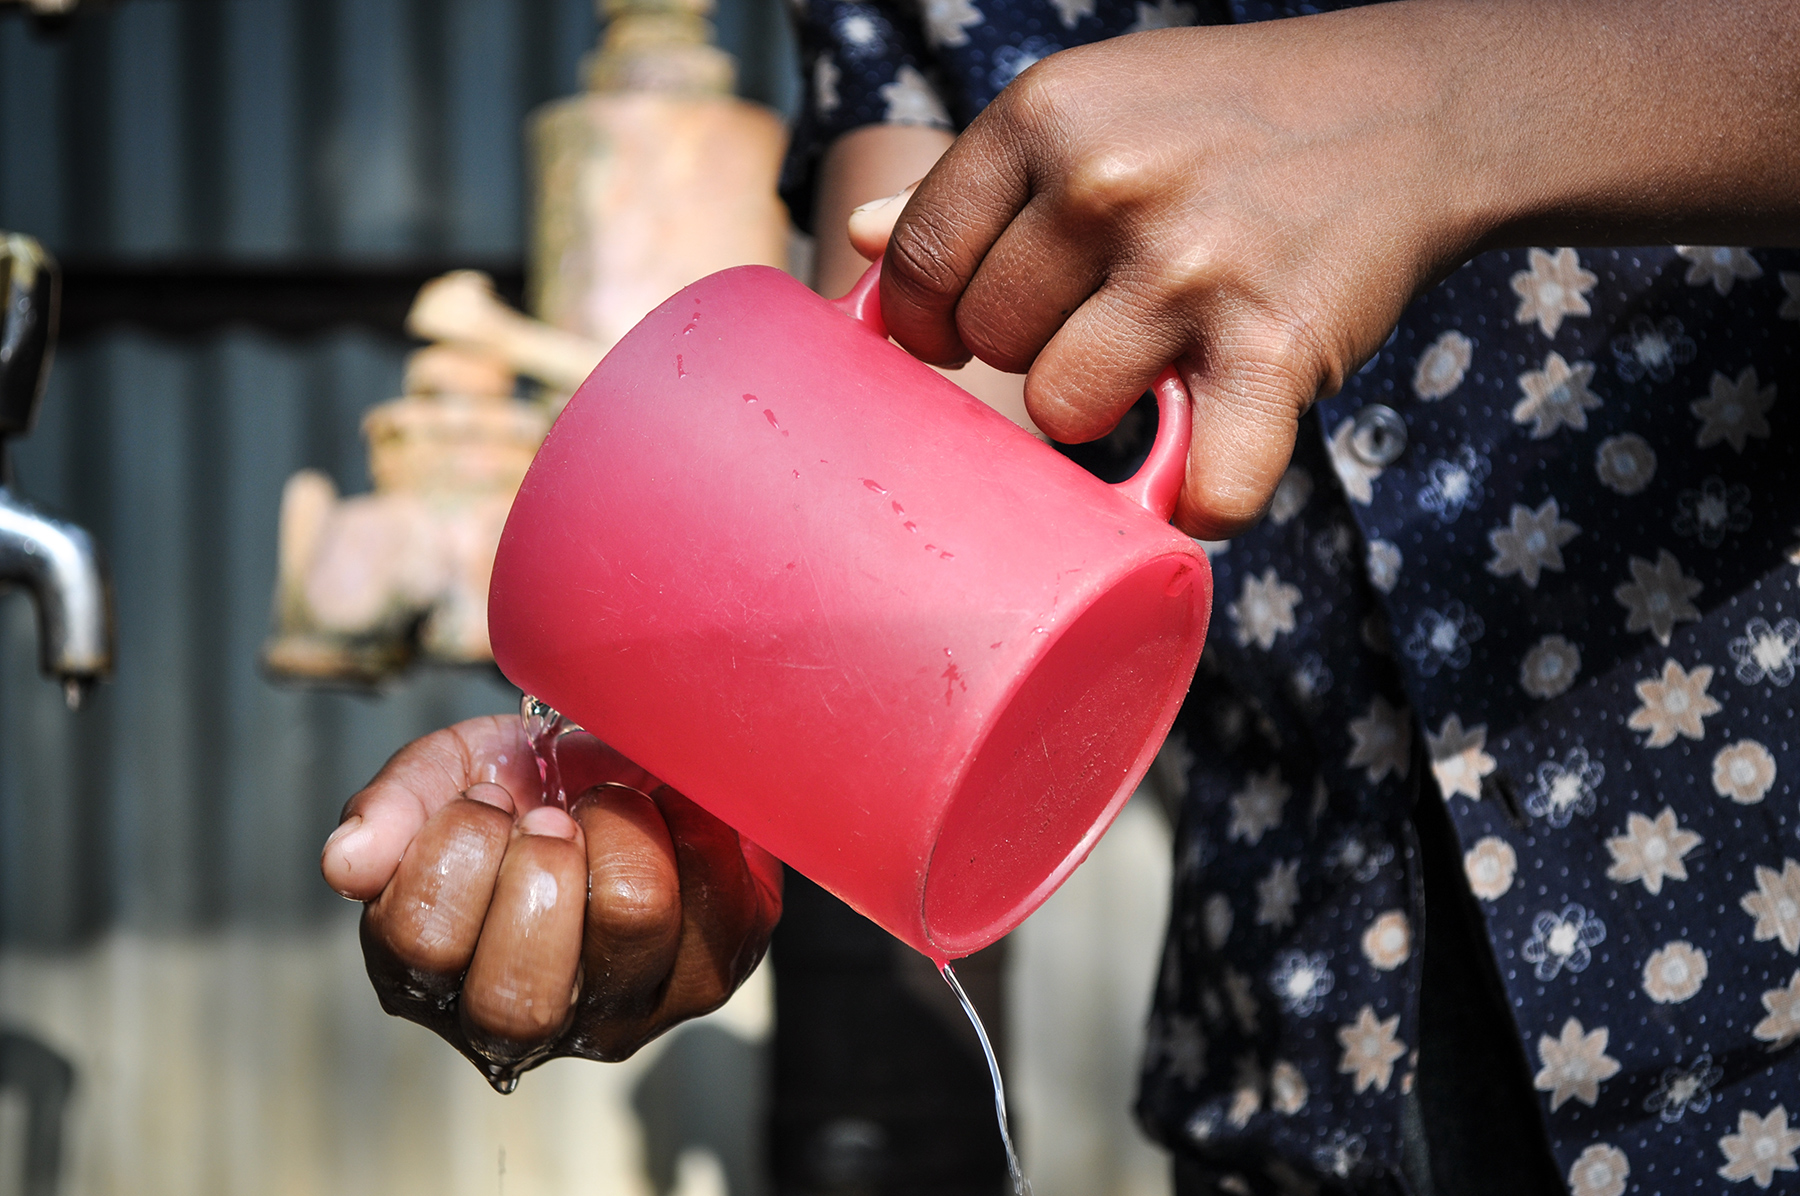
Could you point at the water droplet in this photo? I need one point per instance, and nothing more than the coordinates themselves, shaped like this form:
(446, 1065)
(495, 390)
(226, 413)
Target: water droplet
(898, 509)
(874, 485)
(1040, 631)
(680, 370)
(749, 398)
(996, 643)
(946, 556)
(796, 475)
(770, 416)
(912, 527)
(931, 548)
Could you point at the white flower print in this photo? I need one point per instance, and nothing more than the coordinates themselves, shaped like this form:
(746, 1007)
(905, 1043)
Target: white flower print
(1550, 668)
(1563, 942)
(1490, 866)
(911, 100)
(1556, 396)
(1287, 1088)
(1353, 858)
(1290, 496)
(1790, 307)
(1674, 972)
(1782, 1026)
(1575, 1064)
(1381, 740)
(1071, 11)
(1674, 704)
(1246, 1100)
(1765, 653)
(1567, 789)
(1387, 943)
(1442, 366)
(1356, 475)
(1720, 265)
(1600, 1171)
(1554, 287)
(1257, 807)
(1453, 483)
(1164, 14)
(1310, 679)
(1743, 771)
(1651, 349)
(1011, 61)
(1651, 851)
(1301, 981)
(1441, 638)
(1532, 543)
(1761, 1147)
(1734, 411)
(825, 85)
(1264, 609)
(1776, 905)
(1625, 463)
(1383, 563)
(1216, 918)
(859, 32)
(1658, 596)
(1459, 760)
(1708, 513)
(1277, 893)
(945, 21)
(1370, 1049)
(1684, 1088)
(1179, 1042)
(1341, 1154)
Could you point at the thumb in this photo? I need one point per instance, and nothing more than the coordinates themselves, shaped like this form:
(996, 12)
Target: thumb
(871, 225)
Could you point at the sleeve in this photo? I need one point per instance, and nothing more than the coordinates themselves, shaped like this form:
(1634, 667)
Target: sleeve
(861, 64)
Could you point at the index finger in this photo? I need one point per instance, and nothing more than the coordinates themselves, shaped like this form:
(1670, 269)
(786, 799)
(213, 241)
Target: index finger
(430, 772)
(944, 233)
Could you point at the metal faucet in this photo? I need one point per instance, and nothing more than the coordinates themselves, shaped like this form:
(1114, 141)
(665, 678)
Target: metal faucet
(57, 561)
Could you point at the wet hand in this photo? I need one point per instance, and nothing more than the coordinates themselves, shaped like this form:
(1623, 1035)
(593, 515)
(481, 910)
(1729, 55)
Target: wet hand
(520, 932)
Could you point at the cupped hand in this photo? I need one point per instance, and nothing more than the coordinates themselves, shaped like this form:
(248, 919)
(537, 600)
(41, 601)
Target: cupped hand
(1256, 204)
(520, 932)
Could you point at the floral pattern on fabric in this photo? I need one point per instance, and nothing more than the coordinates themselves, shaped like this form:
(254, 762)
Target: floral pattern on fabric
(1572, 602)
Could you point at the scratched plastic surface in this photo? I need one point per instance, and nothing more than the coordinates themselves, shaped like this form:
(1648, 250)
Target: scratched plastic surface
(853, 612)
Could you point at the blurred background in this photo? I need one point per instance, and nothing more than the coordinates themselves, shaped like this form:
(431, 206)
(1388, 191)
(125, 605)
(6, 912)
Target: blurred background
(245, 196)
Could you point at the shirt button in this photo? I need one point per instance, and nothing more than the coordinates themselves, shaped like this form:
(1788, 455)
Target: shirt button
(1378, 436)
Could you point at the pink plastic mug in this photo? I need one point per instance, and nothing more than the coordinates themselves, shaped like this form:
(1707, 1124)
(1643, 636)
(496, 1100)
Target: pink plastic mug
(849, 609)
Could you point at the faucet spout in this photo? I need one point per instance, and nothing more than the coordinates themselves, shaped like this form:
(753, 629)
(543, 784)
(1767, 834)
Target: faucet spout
(61, 565)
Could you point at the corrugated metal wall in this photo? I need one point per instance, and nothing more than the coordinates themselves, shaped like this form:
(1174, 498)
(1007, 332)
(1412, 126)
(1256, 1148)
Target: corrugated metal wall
(192, 792)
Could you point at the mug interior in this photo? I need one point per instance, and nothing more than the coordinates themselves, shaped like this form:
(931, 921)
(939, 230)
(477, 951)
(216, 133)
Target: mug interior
(1064, 754)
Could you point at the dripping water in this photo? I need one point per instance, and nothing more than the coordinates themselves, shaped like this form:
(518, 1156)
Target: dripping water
(1020, 1185)
(544, 725)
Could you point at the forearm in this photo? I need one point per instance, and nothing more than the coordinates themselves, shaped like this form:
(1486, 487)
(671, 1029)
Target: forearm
(1614, 121)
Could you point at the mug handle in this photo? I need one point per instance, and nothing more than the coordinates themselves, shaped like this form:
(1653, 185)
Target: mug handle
(1157, 483)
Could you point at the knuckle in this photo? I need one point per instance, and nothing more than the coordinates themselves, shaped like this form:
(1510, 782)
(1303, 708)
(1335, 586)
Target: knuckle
(1103, 186)
(634, 905)
(921, 260)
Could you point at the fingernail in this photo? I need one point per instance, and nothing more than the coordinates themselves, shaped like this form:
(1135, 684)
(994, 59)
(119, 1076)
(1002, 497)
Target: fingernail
(548, 820)
(883, 202)
(347, 837)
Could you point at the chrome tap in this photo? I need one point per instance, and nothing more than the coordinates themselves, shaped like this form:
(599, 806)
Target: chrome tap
(57, 561)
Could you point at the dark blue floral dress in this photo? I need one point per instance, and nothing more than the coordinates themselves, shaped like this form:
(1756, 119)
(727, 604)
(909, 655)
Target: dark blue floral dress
(1516, 646)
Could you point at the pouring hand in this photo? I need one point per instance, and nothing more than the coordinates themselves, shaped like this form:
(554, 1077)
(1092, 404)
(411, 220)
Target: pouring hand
(519, 932)
(1258, 203)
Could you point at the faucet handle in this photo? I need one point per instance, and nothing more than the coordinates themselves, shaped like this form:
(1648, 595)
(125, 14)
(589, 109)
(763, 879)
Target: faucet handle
(29, 285)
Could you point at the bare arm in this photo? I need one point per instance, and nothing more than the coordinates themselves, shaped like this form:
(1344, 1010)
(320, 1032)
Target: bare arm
(1259, 203)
